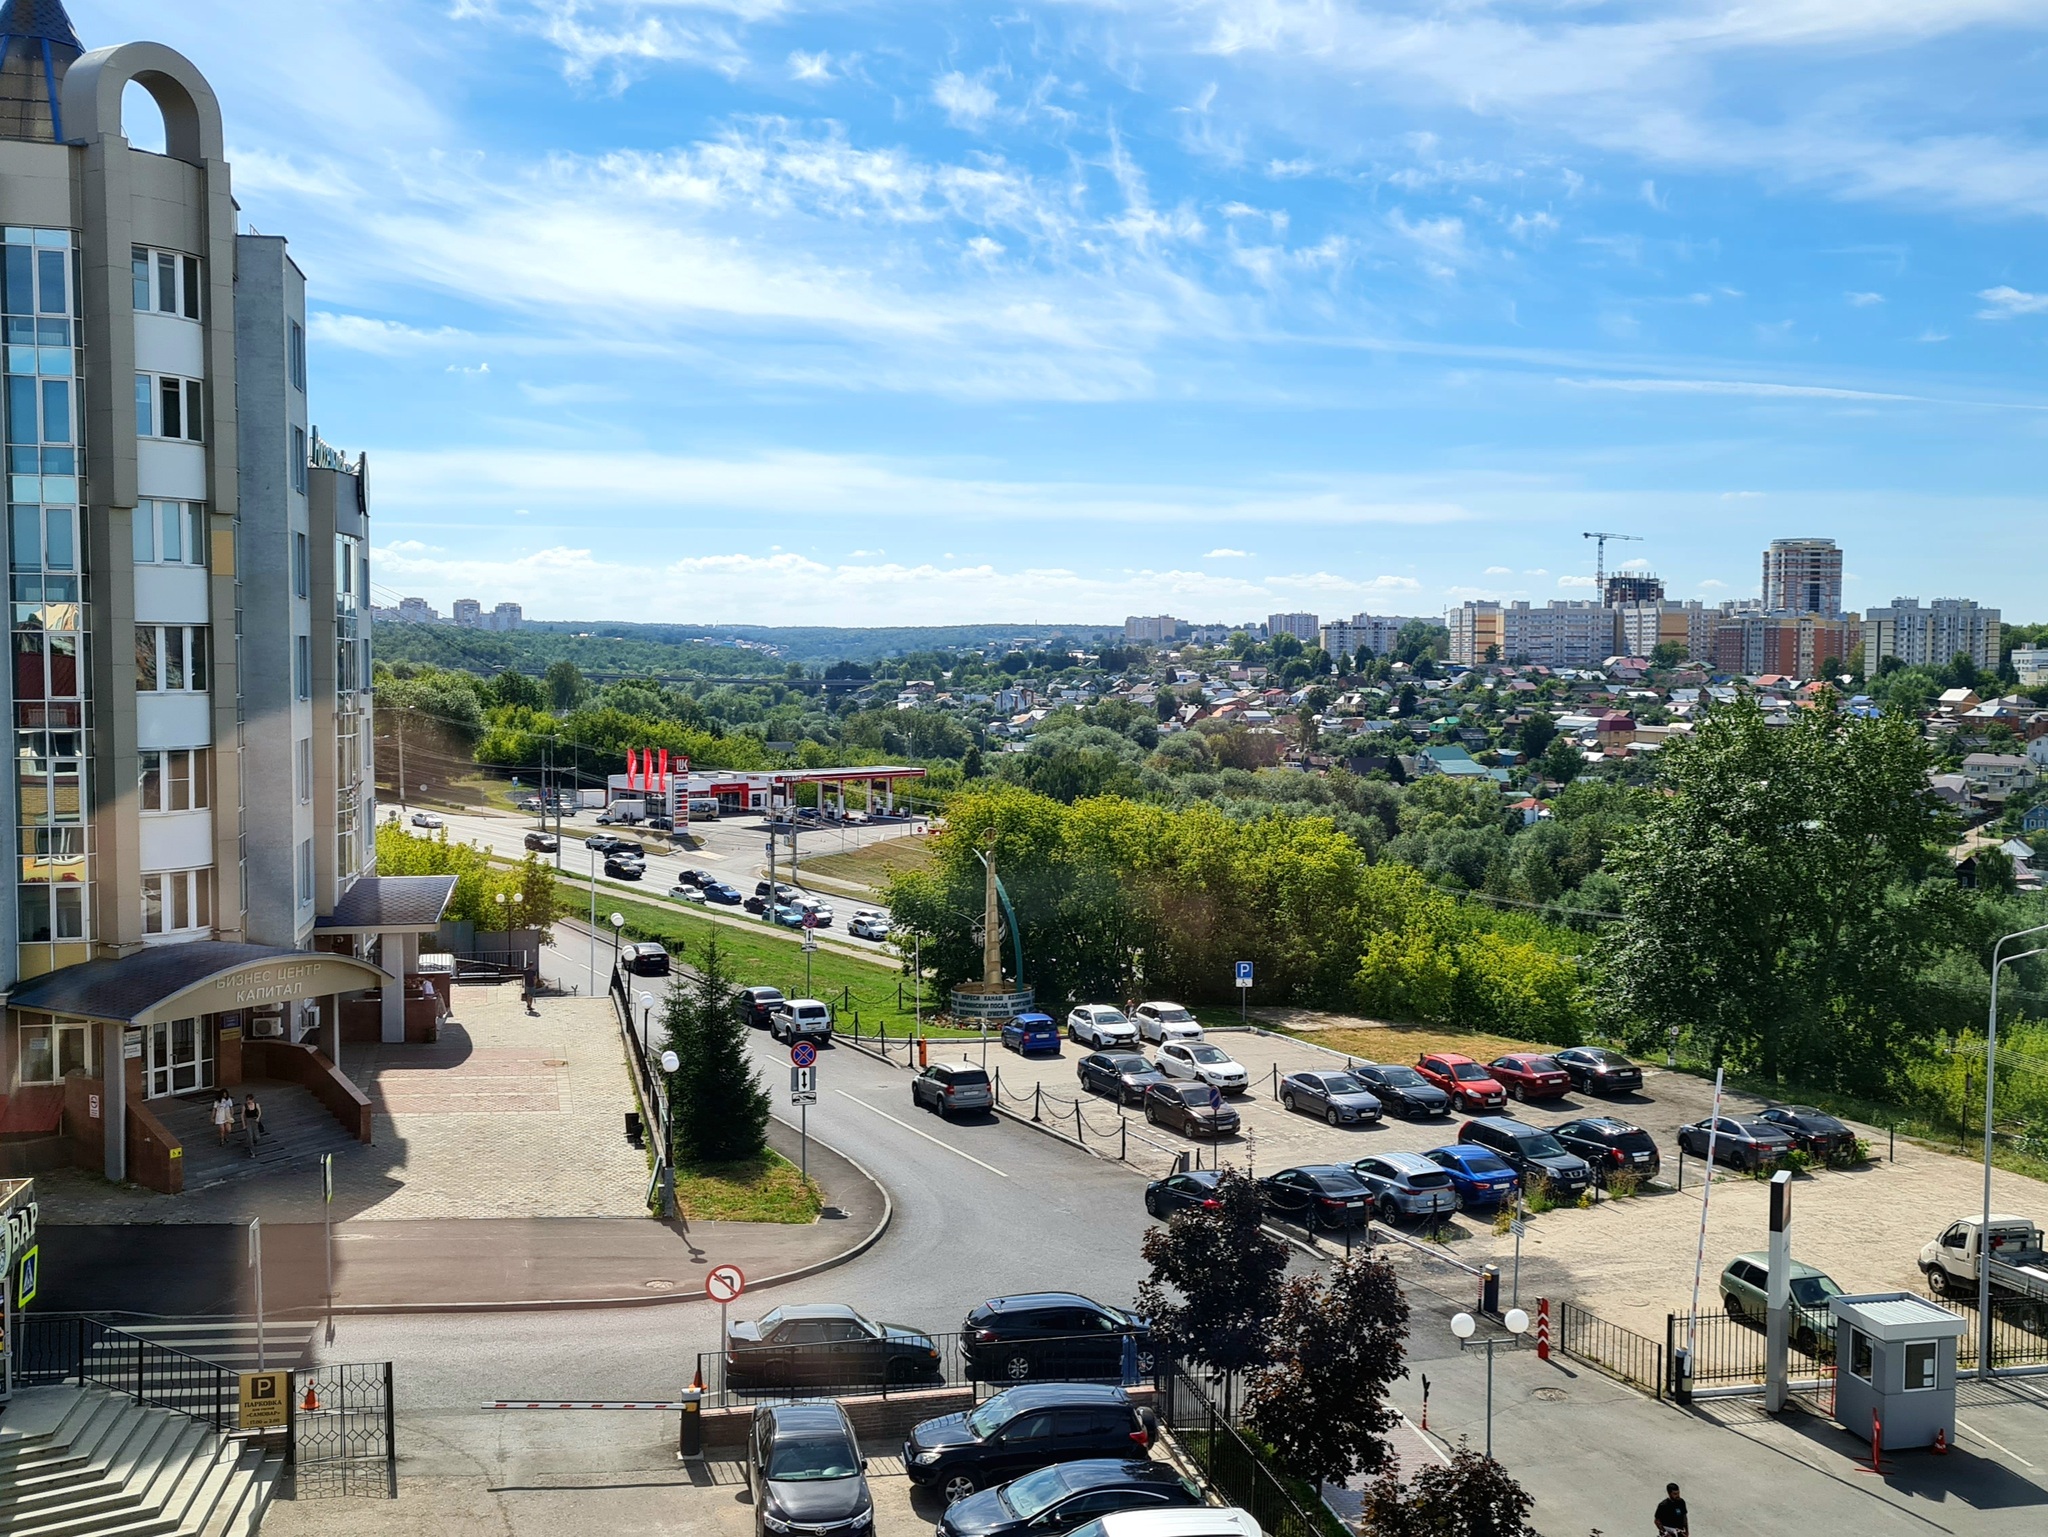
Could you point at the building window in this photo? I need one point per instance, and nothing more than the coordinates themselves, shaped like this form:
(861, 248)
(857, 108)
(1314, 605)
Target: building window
(176, 778)
(1921, 1359)
(302, 770)
(302, 666)
(1860, 1355)
(302, 562)
(299, 459)
(52, 912)
(167, 407)
(52, 1048)
(305, 872)
(298, 356)
(166, 283)
(177, 901)
(170, 533)
(170, 658)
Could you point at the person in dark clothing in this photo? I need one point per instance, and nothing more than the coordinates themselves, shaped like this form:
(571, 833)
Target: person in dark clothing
(252, 1120)
(1671, 1518)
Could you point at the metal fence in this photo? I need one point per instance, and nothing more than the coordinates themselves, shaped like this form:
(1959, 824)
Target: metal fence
(1623, 1354)
(56, 1348)
(1734, 1351)
(1229, 1463)
(868, 1367)
(2019, 1332)
(343, 1434)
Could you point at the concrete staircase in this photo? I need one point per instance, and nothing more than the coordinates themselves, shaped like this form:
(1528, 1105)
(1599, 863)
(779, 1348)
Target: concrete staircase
(83, 1462)
(299, 1130)
(229, 1344)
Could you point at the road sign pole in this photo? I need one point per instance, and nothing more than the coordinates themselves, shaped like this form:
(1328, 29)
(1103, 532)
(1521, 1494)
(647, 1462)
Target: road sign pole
(803, 1141)
(256, 1264)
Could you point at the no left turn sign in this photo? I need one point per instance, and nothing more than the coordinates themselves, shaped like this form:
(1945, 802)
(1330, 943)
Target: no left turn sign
(724, 1283)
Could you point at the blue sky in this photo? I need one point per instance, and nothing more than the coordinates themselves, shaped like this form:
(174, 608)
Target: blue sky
(780, 312)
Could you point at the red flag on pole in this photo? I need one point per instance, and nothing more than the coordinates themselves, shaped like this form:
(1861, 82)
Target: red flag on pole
(632, 768)
(663, 781)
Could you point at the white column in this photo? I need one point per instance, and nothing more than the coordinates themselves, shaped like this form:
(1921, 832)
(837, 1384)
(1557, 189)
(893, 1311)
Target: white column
(391, 956)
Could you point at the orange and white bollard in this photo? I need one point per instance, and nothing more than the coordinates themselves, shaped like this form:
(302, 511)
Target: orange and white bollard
(1543, 1328)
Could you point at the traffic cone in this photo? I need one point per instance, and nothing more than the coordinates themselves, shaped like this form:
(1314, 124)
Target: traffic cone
(1941, 1442)
(697, 1381)
(311, 1402)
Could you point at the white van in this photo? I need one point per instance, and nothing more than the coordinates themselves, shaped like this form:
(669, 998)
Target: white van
(1184, 1521)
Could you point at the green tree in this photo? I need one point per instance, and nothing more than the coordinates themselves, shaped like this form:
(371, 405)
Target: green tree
(718, 1104)
(1214, 1289)
(1667, 654)
(566, 688)
(1777, 898)
(1471, 1496)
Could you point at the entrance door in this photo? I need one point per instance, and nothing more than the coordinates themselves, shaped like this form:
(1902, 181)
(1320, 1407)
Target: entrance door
(180, 1057)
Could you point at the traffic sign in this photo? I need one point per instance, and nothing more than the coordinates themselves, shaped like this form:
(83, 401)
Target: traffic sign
(1215, 1097)
(724, 1283)
(1244, 973)
(802, 1081)
(803, 1054)
(264, 1401)
(25, 1276)
(810, 918)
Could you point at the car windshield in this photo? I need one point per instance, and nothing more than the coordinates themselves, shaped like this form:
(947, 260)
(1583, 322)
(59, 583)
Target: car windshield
(1342, 1083)
(1207, 1054)
(812, 1457)
(990, 1417)
(1468, 1072)
(1427, 1179)
(1034, 1492)
(1813, 1291)
(1608, 1058)
(1541, 1065)
(1173, 1014)
(1485, 1163)
(1110, 1017)
(1543, 1145)
(1400, 1077)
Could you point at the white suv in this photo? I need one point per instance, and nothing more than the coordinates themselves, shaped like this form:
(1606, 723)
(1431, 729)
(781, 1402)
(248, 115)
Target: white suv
(1167, 1022)
(1098, 1025)
(1205, 1063)
(801, 1017)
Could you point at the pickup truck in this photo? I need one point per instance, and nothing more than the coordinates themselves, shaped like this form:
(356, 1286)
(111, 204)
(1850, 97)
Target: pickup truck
(801, 1019)
(2018, 1266)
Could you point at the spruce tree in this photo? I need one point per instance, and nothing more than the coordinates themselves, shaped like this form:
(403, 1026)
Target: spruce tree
(720, 1104)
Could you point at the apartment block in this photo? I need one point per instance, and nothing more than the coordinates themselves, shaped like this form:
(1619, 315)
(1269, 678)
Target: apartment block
(2031, 664)
(1155, 629)
(1689, 626)
(1932, 636)
(1799, 645)
(1557, 634)
(1803, 576)
(1306, 628)
(1626, 588)
(1377, 633)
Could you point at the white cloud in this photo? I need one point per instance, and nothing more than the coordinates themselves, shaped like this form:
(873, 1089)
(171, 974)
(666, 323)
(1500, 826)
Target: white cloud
(810, 66)
(1713, 584)
(2005, 302)
(1931, 334)
(1533, 226)
(1575, 581)
(1638, 564)
(1499, 571)
(386, 338)
(1220, 554)
(1864, 301)
(1741, 496)
(967, 102)
(1732, 387)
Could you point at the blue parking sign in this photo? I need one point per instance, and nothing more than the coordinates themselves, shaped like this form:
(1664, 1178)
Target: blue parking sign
(1244, 973)
(1215, 1098)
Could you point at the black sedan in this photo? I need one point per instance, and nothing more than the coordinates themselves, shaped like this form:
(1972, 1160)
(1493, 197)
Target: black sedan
(1402, 1090)
(1812, 1131)
(825, 1345)
(1741, 1144)
(604, 843)
(1193, 1109)
(1178, 1192)
(1123, 1075)
(1338, 1098)
(1318, 1195)
(1608, 1143)
(1596, 1070)
(624, 867)
(693, 877)
(1067, 1495)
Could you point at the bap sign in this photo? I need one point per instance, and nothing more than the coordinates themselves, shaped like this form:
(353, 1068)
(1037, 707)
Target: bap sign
(724, 1283)
(1244, 973)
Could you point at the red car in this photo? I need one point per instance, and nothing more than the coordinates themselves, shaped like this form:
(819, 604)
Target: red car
(1529, 1075)
(1464, 1080)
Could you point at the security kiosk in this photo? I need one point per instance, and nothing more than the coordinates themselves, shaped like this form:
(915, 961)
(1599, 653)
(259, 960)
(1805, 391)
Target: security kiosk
(1895, 1368)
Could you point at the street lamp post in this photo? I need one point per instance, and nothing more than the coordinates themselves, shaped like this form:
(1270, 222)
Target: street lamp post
(593, 922)
(1998, 960)
(1463, 1325)
(669, 1063)
(618, 924)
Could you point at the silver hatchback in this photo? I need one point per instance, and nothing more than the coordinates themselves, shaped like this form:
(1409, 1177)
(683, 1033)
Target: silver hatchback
(1407, 1185)
(952, 1087)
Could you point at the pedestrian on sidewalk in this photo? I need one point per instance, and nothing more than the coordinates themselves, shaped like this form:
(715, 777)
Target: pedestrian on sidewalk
(224, 1116)
(1671, 1517)
(528, 986)
(252, 1120)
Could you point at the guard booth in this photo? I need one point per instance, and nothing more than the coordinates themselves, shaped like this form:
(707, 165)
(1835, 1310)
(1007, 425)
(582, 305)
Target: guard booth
(1895, 1358)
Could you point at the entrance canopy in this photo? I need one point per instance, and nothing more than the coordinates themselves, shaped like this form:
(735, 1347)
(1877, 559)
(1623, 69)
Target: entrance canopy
(379, 904)
(207, 976)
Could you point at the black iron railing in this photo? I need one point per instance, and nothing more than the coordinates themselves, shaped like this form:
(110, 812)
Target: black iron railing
(56, 1348)
(1623, 1354)
(2019, 1332)
(867, 1367)
(1229, 1463)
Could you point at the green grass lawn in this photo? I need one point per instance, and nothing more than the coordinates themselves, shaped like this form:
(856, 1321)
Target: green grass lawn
(764, 1189)
(873, 865)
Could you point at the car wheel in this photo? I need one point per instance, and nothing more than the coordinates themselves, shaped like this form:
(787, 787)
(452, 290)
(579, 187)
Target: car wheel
(1390, 1214)
(1145, 1363)
(1018, 1367)
(902, 1369)
(1734, 1308)
(956, 1487)
(1333, 1118)
(1152, 1114)
(1806, 1340)
(1938, 1280)
(1287, 1102)
(1151, 1205)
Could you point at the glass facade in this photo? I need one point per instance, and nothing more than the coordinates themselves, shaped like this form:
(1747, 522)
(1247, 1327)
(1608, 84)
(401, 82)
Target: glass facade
(351, 678)
(39, 311)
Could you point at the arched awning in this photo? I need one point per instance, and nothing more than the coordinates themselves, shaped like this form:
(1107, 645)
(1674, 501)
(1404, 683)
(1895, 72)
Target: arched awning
(207, 976)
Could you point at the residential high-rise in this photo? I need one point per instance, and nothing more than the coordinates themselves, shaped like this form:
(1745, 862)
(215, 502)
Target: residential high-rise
(1932, 636)
(468, 613)
(1688, 626)
(1558, 634)
(1630, 587)
(1803, 576)
(1757, 643)
(1155, 628)
(190, 806)
(1306, 628)
(1378, 633)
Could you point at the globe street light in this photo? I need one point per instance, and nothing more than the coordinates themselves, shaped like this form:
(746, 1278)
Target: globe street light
(1999, 959)
(1464, 1326)
(669, 1063)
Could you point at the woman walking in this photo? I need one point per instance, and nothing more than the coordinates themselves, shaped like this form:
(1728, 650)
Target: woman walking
(224, 1116)
(252, 1120)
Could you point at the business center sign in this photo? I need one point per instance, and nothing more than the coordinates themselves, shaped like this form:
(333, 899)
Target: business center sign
(268, 982)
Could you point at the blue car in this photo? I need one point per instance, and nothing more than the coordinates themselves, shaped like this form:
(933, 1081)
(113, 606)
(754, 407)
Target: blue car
(718, 891)
(1480, 1178)
(1031, 1032)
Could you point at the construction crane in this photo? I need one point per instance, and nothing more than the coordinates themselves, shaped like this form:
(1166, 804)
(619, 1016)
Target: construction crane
(1600, 561)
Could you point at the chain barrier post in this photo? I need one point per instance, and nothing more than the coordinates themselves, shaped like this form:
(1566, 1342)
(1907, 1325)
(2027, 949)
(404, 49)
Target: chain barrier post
(1037, 1100)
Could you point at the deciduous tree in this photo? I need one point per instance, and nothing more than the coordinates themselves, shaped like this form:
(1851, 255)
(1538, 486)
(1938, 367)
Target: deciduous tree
(1214, 1290)
(1472, 1496)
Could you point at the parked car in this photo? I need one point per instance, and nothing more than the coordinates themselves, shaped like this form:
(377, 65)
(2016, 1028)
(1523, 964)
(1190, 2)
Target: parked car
(661, 824)
(624, 867)
(1477, 1174)
(428, 819)
(542, 843)
(719, 892)
(1207, 1522)
(1596, 1070)
(826, 1344)
(1098, 1025)
(1050, 1334)
(758, 1005)
(1608, 1143)
(1531, 1152)
(644, 960)
(805, 1472)
(1401, 1090)
(1067, 1495)
(1407, 1185)
(1468, 1084)
(1021, 1429)
(529, 803)
(1204, 1063)
(1031, 1032)
(801, 1018)
(1178, 1192)
(1123, 1075)
(1166, 1022)
(868, 924)
(1738, 1142)
(950, 1086)
(1528, 1075)
(1188, 1109)
(1812, 1131)
(1746, 1294)
(1326, 1195)
(1339, 1098)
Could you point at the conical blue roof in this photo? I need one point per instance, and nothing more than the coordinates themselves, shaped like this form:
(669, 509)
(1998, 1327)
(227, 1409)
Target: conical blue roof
(41, 20)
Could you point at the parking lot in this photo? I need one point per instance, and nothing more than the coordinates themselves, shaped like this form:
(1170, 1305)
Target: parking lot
(1630, 1261)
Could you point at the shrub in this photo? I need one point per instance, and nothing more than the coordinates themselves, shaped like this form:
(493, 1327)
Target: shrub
(1798, 1161)
(1854, 1156)
(1537, 1197)
(1623, 1183)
